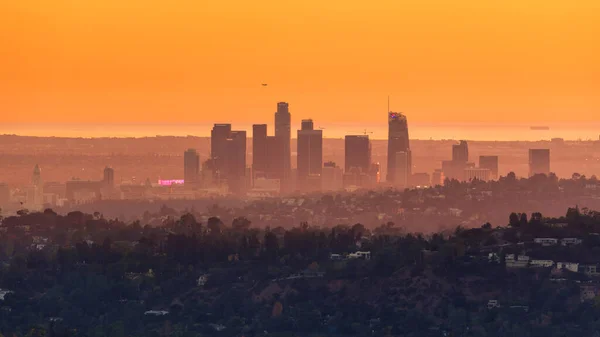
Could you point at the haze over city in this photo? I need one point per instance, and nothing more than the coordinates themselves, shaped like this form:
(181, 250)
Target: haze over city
(313, 168)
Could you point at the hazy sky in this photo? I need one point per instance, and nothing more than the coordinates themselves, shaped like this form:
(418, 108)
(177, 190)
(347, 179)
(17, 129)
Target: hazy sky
(203, 61)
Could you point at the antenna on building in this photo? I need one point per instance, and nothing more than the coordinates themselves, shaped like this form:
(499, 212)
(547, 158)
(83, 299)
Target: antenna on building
(388, 103)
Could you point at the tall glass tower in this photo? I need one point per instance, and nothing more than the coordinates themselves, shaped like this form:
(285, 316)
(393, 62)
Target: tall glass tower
(397, 142)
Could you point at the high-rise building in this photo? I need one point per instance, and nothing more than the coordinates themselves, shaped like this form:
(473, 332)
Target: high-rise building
(397, 142)
(375, 174)
(236, 162)
(274, 168)
(109, 177)
(332, 178)
(402, 174)
(260, 155)
(310, 156)
(490, 163)
(36, 177)
(473, 173)
(454, 169)
(357, 153)
(191, 167)
(460, 152)
(539, 161)
(218, 146)
(283, 132)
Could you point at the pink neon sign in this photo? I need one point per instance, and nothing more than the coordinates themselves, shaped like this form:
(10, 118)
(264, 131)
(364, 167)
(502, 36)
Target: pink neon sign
(171, 182)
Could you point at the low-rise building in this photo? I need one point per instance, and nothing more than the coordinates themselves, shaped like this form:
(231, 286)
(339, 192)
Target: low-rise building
(493, 304)
(335, 257)
(521, 261)
(570, 266)
(588, 269)
(570, 241)
(541, 263)
(156, 313)
(546, 241)
(360, 255)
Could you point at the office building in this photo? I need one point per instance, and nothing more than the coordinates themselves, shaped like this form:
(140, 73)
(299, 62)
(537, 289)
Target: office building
(374, 174)
(397, 142)
(332, 177)
(473, 173)
(260, 156)
(310, 156)
(236, 162)
(191, 167)
(283, 133)
(219, 135)
(402, 174)
(460, 152)
(108, 178)
(421, 179)
(453, 170)
(490, 163)
(36, 177)
(437, 178)
(539, 161)
(355, 178)
(357, 153)
(274, 168)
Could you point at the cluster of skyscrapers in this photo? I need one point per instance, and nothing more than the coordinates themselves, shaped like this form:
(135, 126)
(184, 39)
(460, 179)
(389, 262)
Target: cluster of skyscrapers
(271, 168)
(226, 170)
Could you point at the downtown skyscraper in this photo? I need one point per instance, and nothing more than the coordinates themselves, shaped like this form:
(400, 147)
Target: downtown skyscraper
(228, 156)
(283, 134)
(191, 166)
(310, 156)
(397, 142)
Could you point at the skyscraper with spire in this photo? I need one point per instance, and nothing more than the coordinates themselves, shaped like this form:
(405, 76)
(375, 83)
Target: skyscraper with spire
(397, 142)
(283, 134)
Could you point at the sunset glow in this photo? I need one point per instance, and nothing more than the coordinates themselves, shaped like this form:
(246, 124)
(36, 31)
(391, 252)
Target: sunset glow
(115, 61)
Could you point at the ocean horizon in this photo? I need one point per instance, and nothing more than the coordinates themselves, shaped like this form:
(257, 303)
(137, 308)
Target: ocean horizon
(423, 131)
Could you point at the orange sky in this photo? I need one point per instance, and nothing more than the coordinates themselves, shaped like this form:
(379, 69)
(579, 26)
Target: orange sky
(203, 61)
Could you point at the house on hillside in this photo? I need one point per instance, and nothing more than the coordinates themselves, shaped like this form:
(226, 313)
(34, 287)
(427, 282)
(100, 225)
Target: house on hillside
(521, 261)
(156, 313)
(589, 269)
(546, 241)
(570, 241)
(541, 263)
(360, 255)
(570, 266)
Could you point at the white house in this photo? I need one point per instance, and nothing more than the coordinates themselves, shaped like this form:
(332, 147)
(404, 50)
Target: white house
(570, 241)
(546, 241)
(202, 280)
(335, 257)
(493, 304)
(3, 293)
(360, 255)
(571, 266)
(522, 261)
(541, 263)
(156, 313)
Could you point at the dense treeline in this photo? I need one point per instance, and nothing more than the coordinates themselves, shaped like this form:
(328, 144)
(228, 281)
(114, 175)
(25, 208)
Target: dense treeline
(83, 275)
